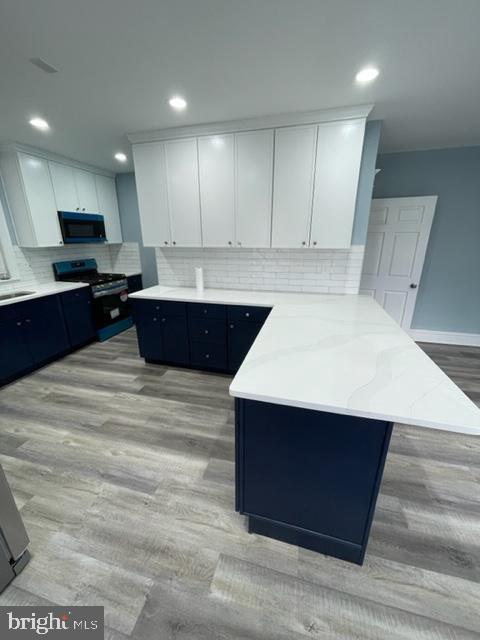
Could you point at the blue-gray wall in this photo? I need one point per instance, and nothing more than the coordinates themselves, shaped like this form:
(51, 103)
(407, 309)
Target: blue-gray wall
(449, 295)
(365, 181)
(130, 221)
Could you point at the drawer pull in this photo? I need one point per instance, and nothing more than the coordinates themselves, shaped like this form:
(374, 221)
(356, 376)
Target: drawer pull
(205, 311)
(163, 319)
(206, 332)
(247, 314)
(155, 319)
(19, 324)
(207, 356)
(232, 326)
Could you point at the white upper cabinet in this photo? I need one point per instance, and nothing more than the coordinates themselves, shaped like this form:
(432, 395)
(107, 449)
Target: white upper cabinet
(216, 171)
(38, 186)
(253, 188)
(339, 155)
(151, 181)
(65, 191)
(293, 186)
(183, 193)
(108, 207)
(86, 191)
(37, 221)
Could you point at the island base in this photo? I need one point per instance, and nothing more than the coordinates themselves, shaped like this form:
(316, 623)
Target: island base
(309, 478)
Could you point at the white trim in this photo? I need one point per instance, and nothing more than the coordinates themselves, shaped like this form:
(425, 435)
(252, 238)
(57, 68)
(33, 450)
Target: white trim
(446, 337)
(252, 124)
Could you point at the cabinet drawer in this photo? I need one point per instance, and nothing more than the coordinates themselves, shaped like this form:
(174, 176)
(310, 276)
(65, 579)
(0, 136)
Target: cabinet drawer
(208, 355)
(207, 330)
(196, 310)
(247, 313)
(160, 308)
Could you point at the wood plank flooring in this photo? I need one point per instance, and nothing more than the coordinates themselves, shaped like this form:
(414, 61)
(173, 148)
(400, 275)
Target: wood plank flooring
(124, 475)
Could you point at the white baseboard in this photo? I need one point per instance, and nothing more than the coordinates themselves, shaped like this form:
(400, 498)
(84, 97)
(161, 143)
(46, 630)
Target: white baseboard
(446, 337)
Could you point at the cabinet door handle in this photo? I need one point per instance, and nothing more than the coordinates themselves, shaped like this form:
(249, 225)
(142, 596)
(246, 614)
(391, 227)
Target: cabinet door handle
(205, 311)
(230, 242)
(174, 242)
(206, 332)
(232, 326)
(28, 320)
(314, 243)
(155, 319)
(165, 242)
(19, 324)
(207, 356)
(77, 209)
(83, 209)
(163, 319)
(304, 243)
(247, 314)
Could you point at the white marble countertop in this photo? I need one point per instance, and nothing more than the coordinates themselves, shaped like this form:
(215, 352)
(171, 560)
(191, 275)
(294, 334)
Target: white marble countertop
(39, 290)
(340, 354)
(133, 273)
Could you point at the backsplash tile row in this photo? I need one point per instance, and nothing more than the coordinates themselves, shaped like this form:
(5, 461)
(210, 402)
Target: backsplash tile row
(35, 265)
(308, 270)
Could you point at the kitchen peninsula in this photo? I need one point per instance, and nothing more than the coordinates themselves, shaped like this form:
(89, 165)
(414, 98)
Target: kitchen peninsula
(321, 384)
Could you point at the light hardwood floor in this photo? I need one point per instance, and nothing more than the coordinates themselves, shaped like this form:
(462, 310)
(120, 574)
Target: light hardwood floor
(125, 478)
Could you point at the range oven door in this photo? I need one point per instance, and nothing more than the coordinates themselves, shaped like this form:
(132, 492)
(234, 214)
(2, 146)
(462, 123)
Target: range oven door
(110, 303)
(81, 227)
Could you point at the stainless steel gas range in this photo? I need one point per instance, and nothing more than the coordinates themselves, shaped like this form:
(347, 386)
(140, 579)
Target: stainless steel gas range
(109, 294)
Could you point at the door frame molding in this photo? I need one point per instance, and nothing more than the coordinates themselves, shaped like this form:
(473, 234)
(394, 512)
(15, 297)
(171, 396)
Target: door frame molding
(430, 203)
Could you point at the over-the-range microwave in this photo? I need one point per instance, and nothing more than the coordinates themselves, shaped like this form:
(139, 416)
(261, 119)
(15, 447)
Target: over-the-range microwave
(81, 227)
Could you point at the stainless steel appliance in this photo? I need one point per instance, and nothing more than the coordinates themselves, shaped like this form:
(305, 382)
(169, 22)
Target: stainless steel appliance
(109, 292)
(14, 540)
(80, 228)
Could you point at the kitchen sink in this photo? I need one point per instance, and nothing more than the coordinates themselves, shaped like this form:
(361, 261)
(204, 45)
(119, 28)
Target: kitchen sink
(16, 294)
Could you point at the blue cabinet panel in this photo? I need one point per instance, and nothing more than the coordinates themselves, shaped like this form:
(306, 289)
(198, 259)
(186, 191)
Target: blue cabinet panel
(162, 331)
(45, 328)
(310, 470)
(241, 336)
(134, 283)
(149, 334)
(77, 311)
(175, 340)
(15, 355)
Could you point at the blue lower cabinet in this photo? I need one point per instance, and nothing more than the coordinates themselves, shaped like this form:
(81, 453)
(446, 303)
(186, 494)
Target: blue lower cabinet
(162, 331)
(32, 333)
(209, 355)
(307, 477)
(134, 283)
(241, 336)
(45, 328)
(175, 340)
(77, 311)
(15, 356)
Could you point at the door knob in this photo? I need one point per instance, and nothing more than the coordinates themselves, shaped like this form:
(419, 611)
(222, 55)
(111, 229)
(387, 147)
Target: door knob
(413, 285)
(304, 243)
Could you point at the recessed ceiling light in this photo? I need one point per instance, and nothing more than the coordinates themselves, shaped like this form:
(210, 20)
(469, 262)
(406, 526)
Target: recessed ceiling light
(178, 103)
(367, 75)
(40, 124)
(120, 156)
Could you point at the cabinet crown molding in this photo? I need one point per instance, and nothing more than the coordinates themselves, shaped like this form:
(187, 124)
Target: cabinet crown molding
(252, 124)
(10, 146)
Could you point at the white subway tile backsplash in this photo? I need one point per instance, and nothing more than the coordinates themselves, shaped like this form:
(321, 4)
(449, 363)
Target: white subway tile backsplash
(316, 270)
(35, 265)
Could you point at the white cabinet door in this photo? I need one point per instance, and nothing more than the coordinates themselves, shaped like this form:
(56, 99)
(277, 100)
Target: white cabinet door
(253, 188)
(182, 188)
(39, 195)
(339, 154)
(64, 188)
(108, 207)
(293, 186)
(86, 190)
(151, 181)
(215, 161)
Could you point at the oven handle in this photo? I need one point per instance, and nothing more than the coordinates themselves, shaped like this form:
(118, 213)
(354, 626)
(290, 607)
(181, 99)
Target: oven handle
(109, 292)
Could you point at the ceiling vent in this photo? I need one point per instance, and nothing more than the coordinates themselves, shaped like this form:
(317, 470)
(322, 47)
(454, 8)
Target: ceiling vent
(43, 65)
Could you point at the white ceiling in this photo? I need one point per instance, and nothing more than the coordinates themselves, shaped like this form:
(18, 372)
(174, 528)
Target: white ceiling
(120, 60)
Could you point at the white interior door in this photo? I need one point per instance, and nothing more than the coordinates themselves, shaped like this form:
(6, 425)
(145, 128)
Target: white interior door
(397, 240)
